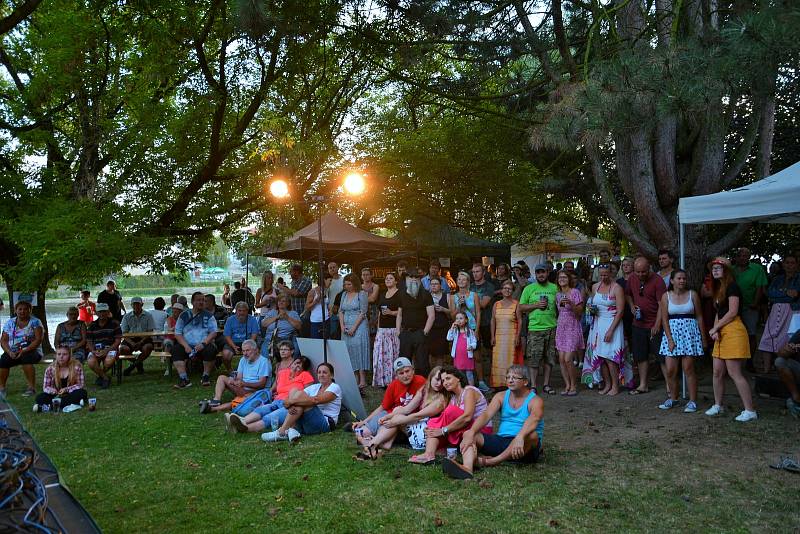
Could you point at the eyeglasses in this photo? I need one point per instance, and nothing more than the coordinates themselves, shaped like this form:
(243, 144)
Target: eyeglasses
(512, 377)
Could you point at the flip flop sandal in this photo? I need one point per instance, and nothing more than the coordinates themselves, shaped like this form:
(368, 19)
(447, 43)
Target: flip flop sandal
(787, 464)
(549, 390)
(452, 469)
(572, 394)
(362, 456)
(638, 392)
(421, 460)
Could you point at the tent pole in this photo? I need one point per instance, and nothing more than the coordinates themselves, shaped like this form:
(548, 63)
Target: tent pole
(683, 257)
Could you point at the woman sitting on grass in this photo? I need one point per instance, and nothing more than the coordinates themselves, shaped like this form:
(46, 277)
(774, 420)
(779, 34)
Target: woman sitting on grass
(410, 419)
(273, 414)
(63, 379)
(313, 410)
(466, 404)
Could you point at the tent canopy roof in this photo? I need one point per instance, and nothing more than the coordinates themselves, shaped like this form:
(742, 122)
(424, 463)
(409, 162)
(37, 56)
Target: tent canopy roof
(435, 239)
(341, 241)
(775, 199)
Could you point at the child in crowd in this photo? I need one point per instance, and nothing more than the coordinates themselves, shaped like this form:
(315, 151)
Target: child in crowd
(86, 308)
(464, 342)
(63, 379)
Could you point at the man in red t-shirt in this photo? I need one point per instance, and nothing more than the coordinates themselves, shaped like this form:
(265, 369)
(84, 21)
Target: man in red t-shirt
(399, 393)
(643, 295)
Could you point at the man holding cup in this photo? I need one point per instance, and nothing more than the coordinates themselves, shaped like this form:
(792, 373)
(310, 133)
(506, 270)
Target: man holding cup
(538, 300)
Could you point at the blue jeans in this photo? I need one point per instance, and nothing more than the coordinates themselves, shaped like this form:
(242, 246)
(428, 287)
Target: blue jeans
(312, 422)
(273, 414)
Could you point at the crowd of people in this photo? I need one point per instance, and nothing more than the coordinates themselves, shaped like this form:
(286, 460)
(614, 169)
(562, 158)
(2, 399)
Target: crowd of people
(439, 346)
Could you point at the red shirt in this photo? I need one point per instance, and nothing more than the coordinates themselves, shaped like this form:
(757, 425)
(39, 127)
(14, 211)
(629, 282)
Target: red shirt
(286, 384)
(647, 298)
(86, 312)
(398, 394)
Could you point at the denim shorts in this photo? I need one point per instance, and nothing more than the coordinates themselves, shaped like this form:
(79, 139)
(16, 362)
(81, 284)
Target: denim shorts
(273, 414)
(312, 422)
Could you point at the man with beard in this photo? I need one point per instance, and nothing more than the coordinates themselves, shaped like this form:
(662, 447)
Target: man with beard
(643, 294)
(416, 322)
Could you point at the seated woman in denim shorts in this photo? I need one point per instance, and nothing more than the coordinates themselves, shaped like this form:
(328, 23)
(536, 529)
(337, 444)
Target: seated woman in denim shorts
(272, 415)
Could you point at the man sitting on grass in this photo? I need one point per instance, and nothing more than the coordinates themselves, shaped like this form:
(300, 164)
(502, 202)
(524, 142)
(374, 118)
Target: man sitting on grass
(251, 375)
(519, 436)
(400, 392)
(788, 368)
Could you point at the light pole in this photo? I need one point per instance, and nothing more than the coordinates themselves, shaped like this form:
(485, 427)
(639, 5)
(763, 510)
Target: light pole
(354, 185)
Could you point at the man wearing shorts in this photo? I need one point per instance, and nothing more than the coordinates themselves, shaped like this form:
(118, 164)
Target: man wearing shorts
(538, 300)
(103, 336)
(400, 392)
(519, 436)
(643, 293)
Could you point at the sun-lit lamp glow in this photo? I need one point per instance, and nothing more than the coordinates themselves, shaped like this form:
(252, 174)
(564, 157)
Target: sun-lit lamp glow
(354, 183)
(279, 189)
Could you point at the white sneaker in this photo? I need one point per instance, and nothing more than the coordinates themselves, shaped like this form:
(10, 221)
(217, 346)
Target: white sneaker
(667, 404)
(691, 407)
(715, 410)
(293, 435)
(746, 415)
(35, 408)
(273, 436)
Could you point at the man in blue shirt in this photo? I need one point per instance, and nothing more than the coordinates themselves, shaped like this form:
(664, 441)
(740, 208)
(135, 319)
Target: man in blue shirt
(238, 328)
(251, 375)
(433, 272)
(194, 338)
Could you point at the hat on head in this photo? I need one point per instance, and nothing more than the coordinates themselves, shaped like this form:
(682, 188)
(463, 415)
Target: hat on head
(137, 300)
(178, 306)
(401, 362)
(101, 306)
(540, 267)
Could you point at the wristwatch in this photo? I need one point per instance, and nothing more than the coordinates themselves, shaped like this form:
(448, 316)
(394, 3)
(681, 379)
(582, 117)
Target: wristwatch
(444, 430)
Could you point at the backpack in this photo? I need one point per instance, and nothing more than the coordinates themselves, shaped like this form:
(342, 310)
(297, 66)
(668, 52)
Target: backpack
(253, 401)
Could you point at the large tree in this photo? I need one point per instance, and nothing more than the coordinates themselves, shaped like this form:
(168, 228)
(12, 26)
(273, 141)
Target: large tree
(658, 99)
(132, 134)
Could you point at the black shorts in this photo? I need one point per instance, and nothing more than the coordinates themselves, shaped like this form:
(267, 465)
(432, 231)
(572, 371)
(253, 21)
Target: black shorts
(29, 358)
(208, 354)
(642, 345)
(494, 445)
(486, 336)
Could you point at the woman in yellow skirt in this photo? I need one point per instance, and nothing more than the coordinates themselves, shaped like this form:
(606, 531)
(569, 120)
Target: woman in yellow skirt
(506, 319)
(731, 345)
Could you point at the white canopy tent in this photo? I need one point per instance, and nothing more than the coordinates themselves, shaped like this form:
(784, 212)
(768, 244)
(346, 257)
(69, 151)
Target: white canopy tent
(775, 199)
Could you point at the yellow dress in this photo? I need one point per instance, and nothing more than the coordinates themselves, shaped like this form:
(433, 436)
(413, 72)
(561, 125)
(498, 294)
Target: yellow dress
(506, 329)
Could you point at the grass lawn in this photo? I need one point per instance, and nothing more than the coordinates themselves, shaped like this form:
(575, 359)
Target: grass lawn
(146, 461)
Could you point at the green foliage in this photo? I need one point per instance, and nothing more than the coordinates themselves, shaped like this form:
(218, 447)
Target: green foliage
(218, 254)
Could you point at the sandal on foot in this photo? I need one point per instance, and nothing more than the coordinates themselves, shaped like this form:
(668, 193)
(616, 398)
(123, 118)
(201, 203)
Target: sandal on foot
(638, 391)
(420, 459)
(549, 390)
(454, 470)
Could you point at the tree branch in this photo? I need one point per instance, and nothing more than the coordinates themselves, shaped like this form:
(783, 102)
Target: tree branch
(19, 14)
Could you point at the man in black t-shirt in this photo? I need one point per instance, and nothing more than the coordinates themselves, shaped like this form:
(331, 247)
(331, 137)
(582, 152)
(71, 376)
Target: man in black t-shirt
(417, 321)
(113, 298)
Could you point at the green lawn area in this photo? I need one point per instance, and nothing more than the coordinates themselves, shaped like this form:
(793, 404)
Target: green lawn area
(146, 461)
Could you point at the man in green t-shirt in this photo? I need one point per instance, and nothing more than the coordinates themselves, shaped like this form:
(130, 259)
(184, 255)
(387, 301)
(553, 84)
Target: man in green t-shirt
(538, 300)
(751, 279)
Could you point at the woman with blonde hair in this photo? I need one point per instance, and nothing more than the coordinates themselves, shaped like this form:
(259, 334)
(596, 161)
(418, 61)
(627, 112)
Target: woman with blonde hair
(63, 379)
(731, 342)
(412, 418)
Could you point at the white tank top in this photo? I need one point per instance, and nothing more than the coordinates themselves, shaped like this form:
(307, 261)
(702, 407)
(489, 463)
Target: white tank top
(680, 309)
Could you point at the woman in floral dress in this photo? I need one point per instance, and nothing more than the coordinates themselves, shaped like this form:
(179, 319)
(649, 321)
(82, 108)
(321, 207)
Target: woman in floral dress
(605, 350)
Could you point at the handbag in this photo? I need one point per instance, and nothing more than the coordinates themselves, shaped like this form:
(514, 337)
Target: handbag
(253, 401)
